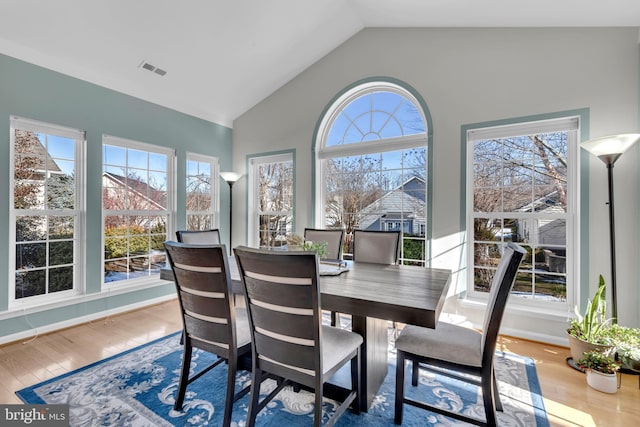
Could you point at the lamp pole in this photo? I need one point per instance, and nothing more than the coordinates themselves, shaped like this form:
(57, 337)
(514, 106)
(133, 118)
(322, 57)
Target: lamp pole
(230, 213)
(609, 149)
(609, 160)
(230, 178)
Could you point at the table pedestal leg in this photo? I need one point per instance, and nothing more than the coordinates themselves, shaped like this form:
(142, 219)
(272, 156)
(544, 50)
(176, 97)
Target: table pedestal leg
(373, 358)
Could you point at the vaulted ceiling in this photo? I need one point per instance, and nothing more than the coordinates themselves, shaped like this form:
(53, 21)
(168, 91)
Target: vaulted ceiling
(221, 57)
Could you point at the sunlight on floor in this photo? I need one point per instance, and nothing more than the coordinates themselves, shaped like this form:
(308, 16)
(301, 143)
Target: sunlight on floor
(566, 416)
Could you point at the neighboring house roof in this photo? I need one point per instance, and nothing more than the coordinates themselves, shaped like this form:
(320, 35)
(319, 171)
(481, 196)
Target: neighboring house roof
(37, 151)
(408, 197)
(156, 198)
(547, 202)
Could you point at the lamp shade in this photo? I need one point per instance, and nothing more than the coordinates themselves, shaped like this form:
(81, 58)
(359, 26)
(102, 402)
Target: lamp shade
(230, 177)
(609, 148)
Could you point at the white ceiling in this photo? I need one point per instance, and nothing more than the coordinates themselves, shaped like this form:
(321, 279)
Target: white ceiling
(224, 56)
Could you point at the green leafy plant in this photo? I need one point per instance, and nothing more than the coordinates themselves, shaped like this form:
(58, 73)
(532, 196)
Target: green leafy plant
(592, 326)
(598, 362)
(626, 342)
(318, 247)
(307, 245)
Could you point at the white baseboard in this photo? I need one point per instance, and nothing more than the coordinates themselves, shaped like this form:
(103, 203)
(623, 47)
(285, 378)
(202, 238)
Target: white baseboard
(29, 333)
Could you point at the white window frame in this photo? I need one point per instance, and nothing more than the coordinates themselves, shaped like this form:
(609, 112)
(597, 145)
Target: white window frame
(253, 187)
(571, 125)
(324, 152)
(214, 209)
(79, 259)
(170, 210)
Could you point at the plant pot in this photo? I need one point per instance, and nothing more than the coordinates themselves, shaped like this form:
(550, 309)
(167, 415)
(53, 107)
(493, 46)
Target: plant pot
(606, 383)
(578, 347)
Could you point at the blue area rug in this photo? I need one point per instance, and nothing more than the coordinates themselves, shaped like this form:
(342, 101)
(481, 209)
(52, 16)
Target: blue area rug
(137, 388)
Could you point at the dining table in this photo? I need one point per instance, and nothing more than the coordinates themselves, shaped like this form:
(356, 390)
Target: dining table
(373, 294)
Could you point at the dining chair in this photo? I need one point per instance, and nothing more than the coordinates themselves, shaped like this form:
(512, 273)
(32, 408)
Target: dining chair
(378, 247)
(210, 321)
(289, 341)
(333, 237)
(199, 237)
(335, 240)
(465, 354)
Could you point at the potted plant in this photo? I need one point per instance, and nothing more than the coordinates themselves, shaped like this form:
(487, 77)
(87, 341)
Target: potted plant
(318, 247)
(296, 242)
(589, 331)
(601, 371)
(626, 342)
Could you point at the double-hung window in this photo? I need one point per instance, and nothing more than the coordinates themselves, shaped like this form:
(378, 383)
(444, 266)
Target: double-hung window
(522, 187)
(137, 201)
(271, 201)
(202, 192)
(46, 208)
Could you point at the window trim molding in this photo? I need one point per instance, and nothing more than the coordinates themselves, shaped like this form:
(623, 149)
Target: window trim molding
(581, 265)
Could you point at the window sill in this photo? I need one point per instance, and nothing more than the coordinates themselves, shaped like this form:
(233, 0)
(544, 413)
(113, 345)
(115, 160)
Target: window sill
(527, 322)
(25, 308)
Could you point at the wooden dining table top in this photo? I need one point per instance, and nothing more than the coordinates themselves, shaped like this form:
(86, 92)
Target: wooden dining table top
(406, 294)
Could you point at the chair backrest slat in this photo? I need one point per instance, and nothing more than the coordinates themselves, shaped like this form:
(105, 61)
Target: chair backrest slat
(333, 237)
(281, 289)
(378, 247)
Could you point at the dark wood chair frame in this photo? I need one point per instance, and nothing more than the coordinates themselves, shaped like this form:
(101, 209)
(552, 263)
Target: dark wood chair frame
(291, 265)
(484, 376)
(191, 287)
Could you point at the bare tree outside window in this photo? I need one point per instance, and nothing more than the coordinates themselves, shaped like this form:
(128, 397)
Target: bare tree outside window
(275, 202)
(201, 202)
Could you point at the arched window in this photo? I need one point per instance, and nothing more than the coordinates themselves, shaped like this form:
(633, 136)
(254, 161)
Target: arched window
(372, 165)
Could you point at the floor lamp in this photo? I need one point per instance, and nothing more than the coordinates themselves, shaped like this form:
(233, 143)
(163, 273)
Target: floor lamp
(609, 149)
(230, 178)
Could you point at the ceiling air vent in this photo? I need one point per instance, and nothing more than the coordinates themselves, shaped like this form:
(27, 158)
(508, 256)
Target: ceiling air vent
(152, 68)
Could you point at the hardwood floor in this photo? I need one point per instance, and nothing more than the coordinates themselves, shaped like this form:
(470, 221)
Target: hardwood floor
(567, 398)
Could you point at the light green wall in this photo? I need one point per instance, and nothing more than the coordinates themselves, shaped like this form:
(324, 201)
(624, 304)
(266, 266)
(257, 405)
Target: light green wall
(479, 75)
(33, 92)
